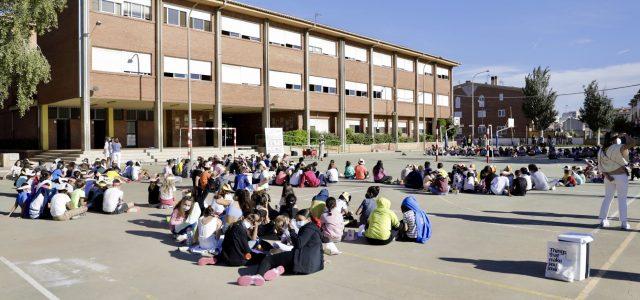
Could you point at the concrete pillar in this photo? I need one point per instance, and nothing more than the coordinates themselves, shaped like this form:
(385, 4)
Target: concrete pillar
(342, 114)
(416, 95)
(394, 128)
(44, 126)
(266, 111)
(434, 124)
(305, 87)
(158, 120)
(371, 128)
(110, 122)
(217, 118)
(85, 97)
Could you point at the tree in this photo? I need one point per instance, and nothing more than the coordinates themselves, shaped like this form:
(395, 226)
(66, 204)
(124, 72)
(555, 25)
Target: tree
(22, 65)
(540, 100)
(634, 101)
(621, 124)
(597, 112)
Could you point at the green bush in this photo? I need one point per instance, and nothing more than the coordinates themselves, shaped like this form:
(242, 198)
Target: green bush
(382, 138)
(295, 138)
(358, 138)
(429, 138)
(406, 139)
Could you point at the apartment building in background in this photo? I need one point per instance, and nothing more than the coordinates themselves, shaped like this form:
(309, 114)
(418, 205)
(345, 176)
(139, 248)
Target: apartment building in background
(120, 69)
(494, 104)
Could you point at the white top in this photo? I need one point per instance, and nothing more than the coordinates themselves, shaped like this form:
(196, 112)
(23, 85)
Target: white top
(37, 203)
(612, 159)
(168, 195)
(469, 183)
(499, 184)
(264, 175)
(59, 204)
(529, 183)
(167, 171)
(341, 205)
(135, 172)
(539, 181)
(332, 175)
(295, 178)
(207, 233)
(112, 197)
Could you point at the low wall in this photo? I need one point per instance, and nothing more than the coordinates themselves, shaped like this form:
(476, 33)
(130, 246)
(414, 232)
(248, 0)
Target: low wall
(359, 148)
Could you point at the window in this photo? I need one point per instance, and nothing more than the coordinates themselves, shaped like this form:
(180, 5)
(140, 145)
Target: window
(356, 89)
(240, 75)
(117, 61)
(457, 102)
(175, 15)
(404, 64)
(425, 98)
(283, 80)
(402, 127)
(380, 126)
(240, 29)
(354, 125)
(177, 68)
(285, 38)
(319, 125)
(200, 20)
(457, 114)
(382, 92)
(322, 46)
(138, 9)
(110, 6)
(381, 59)
(482, 129)
(482, 114)
(501, 97)
(355, 53)
(425, 69)
(481, 101)
(404, 95)
(322, 85)
(442, 73)
(443, 100)
(501, 113)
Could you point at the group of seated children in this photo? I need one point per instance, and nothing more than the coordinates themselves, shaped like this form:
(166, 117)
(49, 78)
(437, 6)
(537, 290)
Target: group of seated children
(233, 227)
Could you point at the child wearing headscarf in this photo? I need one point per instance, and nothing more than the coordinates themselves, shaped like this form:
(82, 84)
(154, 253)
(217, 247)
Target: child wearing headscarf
(415, 225)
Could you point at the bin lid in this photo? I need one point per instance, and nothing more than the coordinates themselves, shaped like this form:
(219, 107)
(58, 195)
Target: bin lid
(574, 237)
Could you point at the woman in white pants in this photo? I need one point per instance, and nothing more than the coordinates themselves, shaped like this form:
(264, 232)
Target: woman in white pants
(612, 162)
(107, 150)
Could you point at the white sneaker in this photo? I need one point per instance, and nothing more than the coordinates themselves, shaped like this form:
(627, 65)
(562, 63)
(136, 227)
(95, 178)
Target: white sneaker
(625, 226)
(181, 238)
(604, 223)
(553, 188)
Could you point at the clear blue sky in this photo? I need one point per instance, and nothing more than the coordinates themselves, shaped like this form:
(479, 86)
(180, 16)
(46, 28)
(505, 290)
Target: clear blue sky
(578, 40)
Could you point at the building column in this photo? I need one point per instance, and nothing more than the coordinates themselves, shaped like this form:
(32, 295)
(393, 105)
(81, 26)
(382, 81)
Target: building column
(217, 118)
(158, 136)
(44, 126)
(85, 96)
(394, 127)
(371, 128)
(416, 95)
(305, 87)
(434, 124)
(266, 111)
(110, 122)
(342, 114)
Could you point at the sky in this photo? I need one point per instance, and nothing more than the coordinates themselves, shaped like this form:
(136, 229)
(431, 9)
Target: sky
(578, 40)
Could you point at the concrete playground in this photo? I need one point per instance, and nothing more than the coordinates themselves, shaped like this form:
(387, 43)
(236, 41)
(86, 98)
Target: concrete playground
(482, 247)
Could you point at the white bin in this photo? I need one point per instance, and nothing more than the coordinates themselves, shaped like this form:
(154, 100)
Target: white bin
(568, 258)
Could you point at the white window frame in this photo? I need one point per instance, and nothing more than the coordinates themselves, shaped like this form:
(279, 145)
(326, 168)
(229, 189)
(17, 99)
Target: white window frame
(355, 53)
(502, 113)
(425, 69)
(457, 102)
(385, 92)
(481, 102)
(356, 89)
(382, 59)
(422, 96)
(285, 38)
(443, 100)
(404, 95)
(285, 80)
(120, 63)
(482, 113)
(235, 33)
(404, 64)
(243, 74)
(115, 3)
(442, 73)
(323, 46)
(325, 85)
(501, 96)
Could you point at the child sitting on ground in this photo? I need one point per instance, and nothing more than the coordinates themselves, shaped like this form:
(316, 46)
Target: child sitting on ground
(368, 204)
(184, 219)
(332, 222)
(209, 230)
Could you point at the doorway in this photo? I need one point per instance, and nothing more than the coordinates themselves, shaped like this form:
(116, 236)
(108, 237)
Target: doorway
(63, 130)
(208, 135)
(99, 133)
(132, 133)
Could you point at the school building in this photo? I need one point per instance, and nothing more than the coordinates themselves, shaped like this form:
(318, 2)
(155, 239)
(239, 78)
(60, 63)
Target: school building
(126, 69)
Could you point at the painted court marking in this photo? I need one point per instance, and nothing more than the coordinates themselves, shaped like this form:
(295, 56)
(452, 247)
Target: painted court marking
(29, 279)
(470, 279)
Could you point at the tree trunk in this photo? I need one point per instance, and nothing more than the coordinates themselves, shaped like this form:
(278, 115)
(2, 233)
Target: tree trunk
(598, 137)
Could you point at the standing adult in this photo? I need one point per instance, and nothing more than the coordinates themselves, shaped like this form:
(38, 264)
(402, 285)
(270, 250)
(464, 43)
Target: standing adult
(115, 151)
(612, 162)
(107, 149)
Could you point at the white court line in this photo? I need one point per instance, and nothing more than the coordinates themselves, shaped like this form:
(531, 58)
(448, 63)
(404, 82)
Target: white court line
(29, 279)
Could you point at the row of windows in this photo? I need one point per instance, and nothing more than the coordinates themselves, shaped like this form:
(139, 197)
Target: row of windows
(133, 115)
(62, 113)
(232, 27)
(501, 113)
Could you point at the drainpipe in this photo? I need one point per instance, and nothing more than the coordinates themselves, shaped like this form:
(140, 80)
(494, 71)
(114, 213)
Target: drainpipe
(218, 77)
(84, 78)
(305, 85)
(189, 100)
(159, 115)
(266, 111)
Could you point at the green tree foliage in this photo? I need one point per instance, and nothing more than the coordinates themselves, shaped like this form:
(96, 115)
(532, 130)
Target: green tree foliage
(540, 100)
(597, 112)
(621, 124)
(634, 101)
(22, 65)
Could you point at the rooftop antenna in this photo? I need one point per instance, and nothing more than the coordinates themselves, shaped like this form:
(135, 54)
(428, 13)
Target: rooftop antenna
(315, 17)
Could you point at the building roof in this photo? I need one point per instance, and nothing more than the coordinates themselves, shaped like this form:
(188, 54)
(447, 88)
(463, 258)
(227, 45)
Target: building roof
(324, 29)
(487, 85)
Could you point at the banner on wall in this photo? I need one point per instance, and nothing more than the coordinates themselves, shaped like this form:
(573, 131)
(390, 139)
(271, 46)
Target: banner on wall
(274, 141)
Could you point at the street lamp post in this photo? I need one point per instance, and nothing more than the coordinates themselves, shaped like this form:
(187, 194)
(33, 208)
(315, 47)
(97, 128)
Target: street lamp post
(139, 74)
(473, 105)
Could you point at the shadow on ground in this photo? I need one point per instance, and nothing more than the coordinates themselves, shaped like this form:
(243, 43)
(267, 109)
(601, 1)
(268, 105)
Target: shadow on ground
(512, 221)
(533, 268)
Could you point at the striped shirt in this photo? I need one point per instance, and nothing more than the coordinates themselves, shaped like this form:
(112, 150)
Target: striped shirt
(410, 220)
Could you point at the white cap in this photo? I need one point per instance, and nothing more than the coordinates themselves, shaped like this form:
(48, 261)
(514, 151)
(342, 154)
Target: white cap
(361, 161)
(24, 187)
